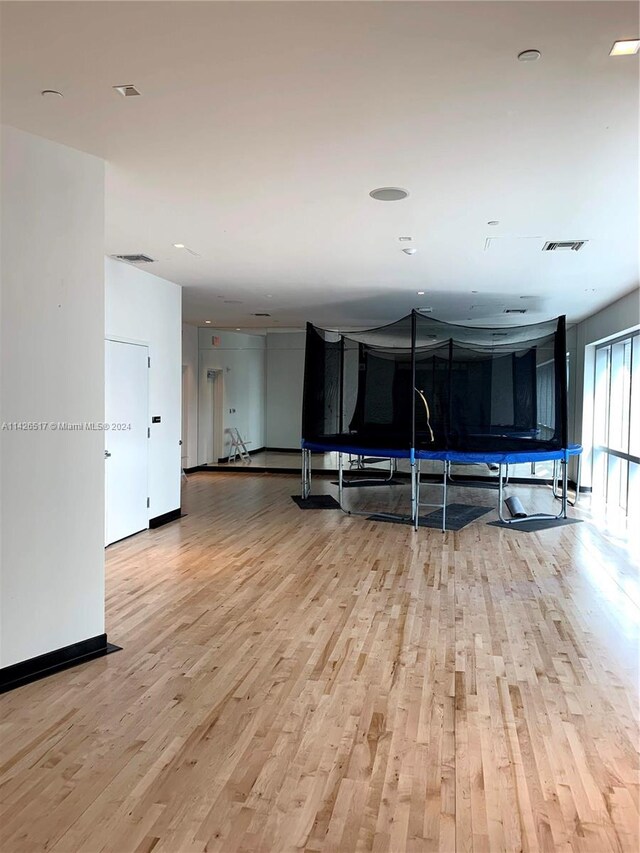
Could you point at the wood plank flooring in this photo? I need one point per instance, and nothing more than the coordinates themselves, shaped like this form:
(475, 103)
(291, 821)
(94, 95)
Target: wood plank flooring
(310, 681)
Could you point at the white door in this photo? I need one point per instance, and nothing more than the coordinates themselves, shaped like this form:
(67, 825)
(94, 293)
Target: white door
(185, 417)
(126, 440)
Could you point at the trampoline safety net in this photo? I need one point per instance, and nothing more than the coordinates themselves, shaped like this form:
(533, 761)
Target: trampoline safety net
(431, 385)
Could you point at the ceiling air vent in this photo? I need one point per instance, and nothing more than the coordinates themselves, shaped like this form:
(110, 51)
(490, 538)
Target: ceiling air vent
(515, 310)
(427, 310)
(135, 259)
(261, 314)
(563, 246)
(127, 91)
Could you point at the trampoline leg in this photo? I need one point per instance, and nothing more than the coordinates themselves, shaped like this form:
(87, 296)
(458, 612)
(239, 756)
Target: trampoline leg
(444, 496)
(416, 494)
(554, 479)
(304, 484)
(500, 496)
(413, 493)
(565, 486)
(340, 479)
(564, 495)
(578, 479)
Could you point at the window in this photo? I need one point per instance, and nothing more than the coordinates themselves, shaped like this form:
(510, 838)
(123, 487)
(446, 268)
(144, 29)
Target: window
(616, 423)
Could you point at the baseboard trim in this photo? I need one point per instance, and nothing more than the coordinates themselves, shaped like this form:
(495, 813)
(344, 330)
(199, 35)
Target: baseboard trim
(283, 450)
(33, 669)
(173, 515)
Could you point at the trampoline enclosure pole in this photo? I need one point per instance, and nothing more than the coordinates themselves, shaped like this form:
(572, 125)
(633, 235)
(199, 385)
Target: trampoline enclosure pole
(413, 378)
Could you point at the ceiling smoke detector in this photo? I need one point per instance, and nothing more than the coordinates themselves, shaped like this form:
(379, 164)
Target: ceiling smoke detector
(515, 310)
(564, 245)
(135, 259)
(127, 91)
(389, 194)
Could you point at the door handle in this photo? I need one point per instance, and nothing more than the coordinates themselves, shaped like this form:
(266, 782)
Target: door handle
(106, 454)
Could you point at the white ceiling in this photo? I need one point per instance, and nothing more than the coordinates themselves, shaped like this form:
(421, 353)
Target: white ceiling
(262, 127)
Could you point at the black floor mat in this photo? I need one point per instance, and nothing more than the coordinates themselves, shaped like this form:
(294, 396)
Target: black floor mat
(458, 516)
(535, 523)
(364, 483)
(316, 502)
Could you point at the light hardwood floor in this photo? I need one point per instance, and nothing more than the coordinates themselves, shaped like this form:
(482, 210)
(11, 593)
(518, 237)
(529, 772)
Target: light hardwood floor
(311, 681)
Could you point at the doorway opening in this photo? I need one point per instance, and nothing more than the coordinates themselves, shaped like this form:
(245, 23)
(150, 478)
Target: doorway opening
(210, 416)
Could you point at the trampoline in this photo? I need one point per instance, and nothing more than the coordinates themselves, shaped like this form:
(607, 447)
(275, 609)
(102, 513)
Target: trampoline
(421, 389)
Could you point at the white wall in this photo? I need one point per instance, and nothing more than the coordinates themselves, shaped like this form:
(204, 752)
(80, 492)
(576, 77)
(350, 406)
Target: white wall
(51, 370)
(616, 319)
(190, 403)
(285, 377)
(241, 360)
(143, 308)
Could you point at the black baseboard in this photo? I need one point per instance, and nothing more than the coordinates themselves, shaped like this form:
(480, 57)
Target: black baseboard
(159, 520)
(192, 470)
(41, 666)
(250, 452)
(283, 449)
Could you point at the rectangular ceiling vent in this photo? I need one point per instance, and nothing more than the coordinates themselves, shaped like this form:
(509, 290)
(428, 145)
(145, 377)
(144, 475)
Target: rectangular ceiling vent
(564, 246)
(427, 310)
(127, 91)
(135, 259)
(261, 314)
(515, 310)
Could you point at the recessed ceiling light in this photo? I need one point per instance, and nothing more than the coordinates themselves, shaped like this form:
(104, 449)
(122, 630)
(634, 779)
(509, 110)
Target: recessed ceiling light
(420, 292)
(208, 322)
(626, 47)
(389, 194)
(178, 245)
(410, 251)
(238, 329)
(529, 55)
(405, 239)
(51, 93)
(493, 222)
